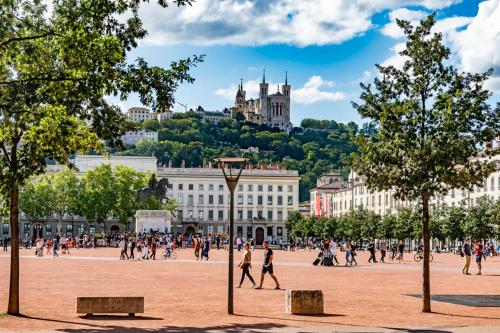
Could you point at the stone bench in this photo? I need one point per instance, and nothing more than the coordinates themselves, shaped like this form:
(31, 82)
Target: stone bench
(91, 305)
(304, 302)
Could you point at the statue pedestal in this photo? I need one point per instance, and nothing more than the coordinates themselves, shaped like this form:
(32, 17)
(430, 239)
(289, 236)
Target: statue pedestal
(153, 220)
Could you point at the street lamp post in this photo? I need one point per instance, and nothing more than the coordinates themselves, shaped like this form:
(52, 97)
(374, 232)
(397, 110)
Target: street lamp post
(231, 169)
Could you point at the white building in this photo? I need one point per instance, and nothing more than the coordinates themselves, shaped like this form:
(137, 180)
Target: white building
(132, 137)
(263, 200)
(140, 114)
(166, 115)
(337, 200)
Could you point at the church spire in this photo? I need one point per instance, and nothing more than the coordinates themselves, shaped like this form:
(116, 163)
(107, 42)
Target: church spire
(264, 75)
(241, 84)
(286, 78)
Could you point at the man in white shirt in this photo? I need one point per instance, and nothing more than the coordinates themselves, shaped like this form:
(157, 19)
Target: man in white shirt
(238, 243)
(333, 249)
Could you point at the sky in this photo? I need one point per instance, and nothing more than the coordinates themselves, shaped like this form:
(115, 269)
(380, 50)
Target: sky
(327, 47)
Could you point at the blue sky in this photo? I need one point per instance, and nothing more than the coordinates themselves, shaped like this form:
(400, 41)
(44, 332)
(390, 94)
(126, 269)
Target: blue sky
(327, 46)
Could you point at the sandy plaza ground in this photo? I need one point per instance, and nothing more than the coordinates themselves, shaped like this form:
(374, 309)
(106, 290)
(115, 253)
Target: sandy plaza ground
(186, 295)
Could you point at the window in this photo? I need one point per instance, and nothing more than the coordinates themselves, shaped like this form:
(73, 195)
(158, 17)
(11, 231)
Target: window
(181, 187)
(190, 199)
(210, 215)
(239, 230)
(290, 200)
(240, 215)
(492, 183)
(48, 227)
(380, 200)
(179, 214)
(221, 199)
(269, 199)
(221, 187)
(179, 198)
(211, 199)
(453, 193)
(5, 228)
(280, 188)
(279, 231)
(259, 215)
(290, 188)
(220, 214)
(200, 214)
(250, 188)
(280, 215)
(260, 188)
(69, 228)
(280, 200)
(210, 187)
(250, 215)
(250, 199)
(269, 215)
(200, 187)
(92, 229)
(190, 214)
(249, 232)
(269, 188)
(26, 228)
(200, 199)
(240, 187)
(240, 199)
(259, 200)
(200, 229)
(191, 187)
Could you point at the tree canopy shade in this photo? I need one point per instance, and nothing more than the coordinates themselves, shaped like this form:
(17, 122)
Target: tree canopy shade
(430, 120)
(57, 66)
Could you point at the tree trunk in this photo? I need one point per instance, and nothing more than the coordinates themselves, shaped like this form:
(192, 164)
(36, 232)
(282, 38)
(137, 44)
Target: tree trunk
(426, 290)
(13, 307)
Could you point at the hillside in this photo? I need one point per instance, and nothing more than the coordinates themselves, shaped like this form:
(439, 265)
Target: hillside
(316, 147)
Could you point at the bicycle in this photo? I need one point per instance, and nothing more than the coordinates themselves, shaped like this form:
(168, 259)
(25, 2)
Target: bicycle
(420, 255)
(169, 254)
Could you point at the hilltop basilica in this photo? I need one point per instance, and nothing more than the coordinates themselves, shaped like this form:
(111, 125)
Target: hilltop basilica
(272, 110)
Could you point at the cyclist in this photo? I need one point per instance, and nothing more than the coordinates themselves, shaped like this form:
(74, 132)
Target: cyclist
(420, 248)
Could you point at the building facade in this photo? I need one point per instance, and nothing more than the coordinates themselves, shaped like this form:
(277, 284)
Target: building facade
(132, 137)
(140, 114)
(263, 199)
(335, 201)
(272, 110)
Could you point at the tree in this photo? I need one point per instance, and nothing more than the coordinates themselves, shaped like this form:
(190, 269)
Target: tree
(56, 69)
(64, 191)
(479, 223)
(97, 194)
(452, 225)
(386, 226)
(293, 219)
(36, 199)
(429, 119)
(369, 224)
(126, 183)
(405, 222)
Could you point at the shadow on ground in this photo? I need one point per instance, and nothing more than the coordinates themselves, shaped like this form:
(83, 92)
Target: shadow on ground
(229, 328)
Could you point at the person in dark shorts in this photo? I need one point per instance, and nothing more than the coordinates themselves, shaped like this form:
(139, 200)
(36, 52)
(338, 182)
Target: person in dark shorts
(478, 249)
(267, 267)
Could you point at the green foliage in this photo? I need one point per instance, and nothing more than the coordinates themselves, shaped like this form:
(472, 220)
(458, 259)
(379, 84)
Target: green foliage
(126, 183)
(97, 196)
(406, 221)
(36, 199)
(385, 229)
(151, 125)
(479, 222)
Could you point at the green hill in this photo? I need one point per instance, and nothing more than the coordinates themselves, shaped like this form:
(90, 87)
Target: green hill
(316, 147)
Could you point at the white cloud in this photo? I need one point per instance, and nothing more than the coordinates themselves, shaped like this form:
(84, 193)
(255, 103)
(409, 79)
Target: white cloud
(260, 22)
(314, 90)
(474, 41)
(311, 92)
(478, 46)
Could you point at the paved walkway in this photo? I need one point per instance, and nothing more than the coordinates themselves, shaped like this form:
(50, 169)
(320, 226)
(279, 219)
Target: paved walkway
(186, 295)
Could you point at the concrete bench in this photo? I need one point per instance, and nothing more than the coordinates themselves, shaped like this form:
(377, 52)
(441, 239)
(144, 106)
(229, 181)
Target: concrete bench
(90, 305)
(304, 302)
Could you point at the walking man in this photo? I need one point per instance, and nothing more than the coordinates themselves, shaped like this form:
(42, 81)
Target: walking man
(478, 249)
(55, 248)
(383, 251)
(217, 240)
(267, 267)
(5, 244)
(467, 254)
(371, 249)
(333, 248)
